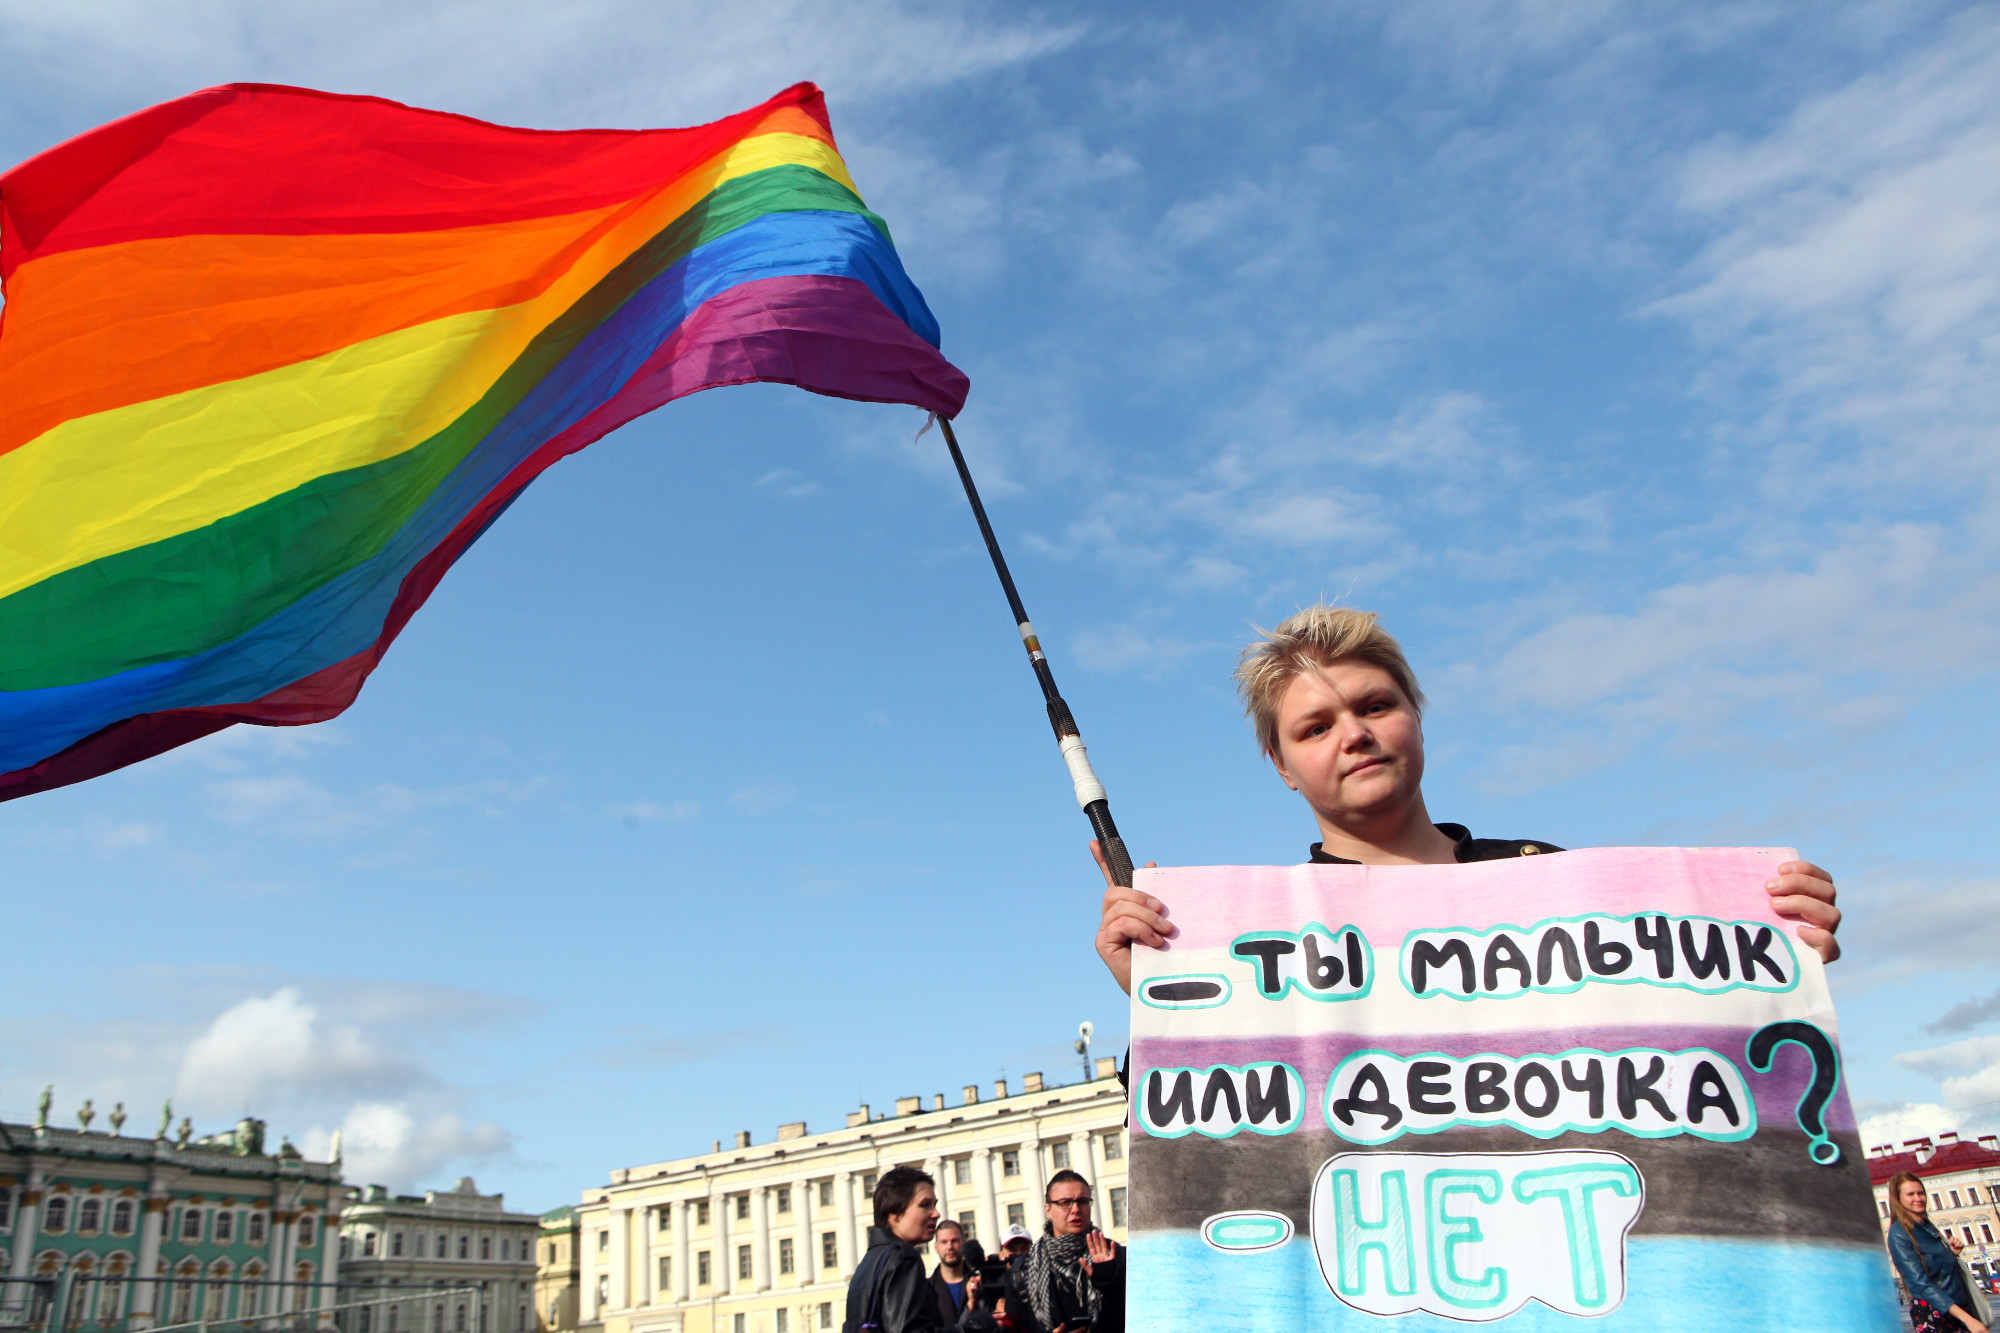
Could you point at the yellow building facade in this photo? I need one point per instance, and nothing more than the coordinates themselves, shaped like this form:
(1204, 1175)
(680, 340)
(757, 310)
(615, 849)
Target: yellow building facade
(761, 1238)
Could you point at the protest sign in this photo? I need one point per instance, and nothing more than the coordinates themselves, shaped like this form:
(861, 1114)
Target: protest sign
(1594, 1084)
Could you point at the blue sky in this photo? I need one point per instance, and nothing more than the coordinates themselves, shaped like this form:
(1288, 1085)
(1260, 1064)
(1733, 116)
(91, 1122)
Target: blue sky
(1635, 362)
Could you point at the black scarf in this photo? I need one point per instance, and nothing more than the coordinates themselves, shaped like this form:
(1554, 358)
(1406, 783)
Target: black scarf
(1054, 1266)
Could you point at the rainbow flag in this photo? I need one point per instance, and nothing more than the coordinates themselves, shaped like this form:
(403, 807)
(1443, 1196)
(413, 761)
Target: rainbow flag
(272, 359)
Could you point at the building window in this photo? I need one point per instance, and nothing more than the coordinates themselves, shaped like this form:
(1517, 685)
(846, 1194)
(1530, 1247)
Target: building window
(703, 1277)
(1010, 1162)
(826, 1194)
(667, 1218)
(1882, 1206)
(396, 1244)
(121, 1216)
(257, 1233)
(743, 1208)
(1986, 1233)
(738, 1323)
(6, 1206)
(969, 1224)
(829, 1250)
(826, 1314)
(368, 1245)
(1017, 1216)
(443, 1252)
(306, 1231)
(603, 1241)
(1114, 1145)
(701, 1212)
(465, 1245)
(784, 1324)
(417, 1246)
(1118, 1206)
(1937, 1203)
(1968, 1235)
(784, 1200)
(190, 1224)
(225, 1227)
(603, 1294)
(1954, 1199)
(56, 1217)
(1059, 1155)
(666, 1271)
(961, 1170)
(90, 1216)
(743, 1262)
(486, 1247)
(785, 1263)
(868, 1183)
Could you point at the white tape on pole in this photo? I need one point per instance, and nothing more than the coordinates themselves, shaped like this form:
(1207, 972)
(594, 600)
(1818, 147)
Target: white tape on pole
(1088, 788)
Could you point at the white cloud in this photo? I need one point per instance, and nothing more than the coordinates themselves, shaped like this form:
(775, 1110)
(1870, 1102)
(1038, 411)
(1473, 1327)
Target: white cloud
(1968, 1078)
(387, 1142)
(285, 1058)
(762, 798)
(634, 813)
(598, 62)
(278, 1045)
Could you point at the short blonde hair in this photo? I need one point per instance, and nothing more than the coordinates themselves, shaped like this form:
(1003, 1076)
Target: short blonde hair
(1316, 637)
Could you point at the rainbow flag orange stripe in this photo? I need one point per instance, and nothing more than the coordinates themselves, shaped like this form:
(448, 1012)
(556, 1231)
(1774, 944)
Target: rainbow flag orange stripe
(271, 359)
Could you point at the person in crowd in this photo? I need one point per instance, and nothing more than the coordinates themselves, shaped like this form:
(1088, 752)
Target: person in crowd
(1339, 714)
(1927, 1262)
(1074, 1277)
(954, 1282)
(1015, 1243)
(889, 1290)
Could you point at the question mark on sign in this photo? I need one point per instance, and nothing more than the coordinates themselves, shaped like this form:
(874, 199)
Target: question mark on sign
(1763, 1046)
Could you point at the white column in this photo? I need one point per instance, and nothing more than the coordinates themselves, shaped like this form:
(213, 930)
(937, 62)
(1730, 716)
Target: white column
(933, 1167)
(152, 1219)
(1031, 1172)
(843, 1193)
(657, 1239)
(725, 1256)
(620, 1222)
(1082, 1159)
(27, 1219)
(329, 1265)
(989, 1199)
(683, 1280)
(760, 1238)
(805, 1259)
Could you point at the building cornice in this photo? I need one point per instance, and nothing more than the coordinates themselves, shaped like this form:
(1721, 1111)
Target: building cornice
(997, 1118)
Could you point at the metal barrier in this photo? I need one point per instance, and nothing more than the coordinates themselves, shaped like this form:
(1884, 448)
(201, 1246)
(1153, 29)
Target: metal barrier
(25, 1303)
(205, 1303)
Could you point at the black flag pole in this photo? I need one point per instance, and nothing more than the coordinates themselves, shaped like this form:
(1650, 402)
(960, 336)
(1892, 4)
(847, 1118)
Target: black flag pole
(1089, 791)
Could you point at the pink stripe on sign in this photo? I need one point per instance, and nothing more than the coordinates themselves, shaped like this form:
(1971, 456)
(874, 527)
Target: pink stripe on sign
(1212, 905)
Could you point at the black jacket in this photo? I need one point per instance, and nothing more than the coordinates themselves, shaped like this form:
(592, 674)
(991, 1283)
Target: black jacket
(948, 1312)
(1469, 847)
(893, 1268)
(1109, 1279)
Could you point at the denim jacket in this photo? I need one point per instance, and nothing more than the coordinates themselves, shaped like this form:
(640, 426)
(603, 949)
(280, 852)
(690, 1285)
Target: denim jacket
(1928, 1266)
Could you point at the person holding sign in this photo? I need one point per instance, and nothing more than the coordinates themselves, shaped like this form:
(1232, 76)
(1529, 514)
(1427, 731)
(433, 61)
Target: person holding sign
(1940, 1300)
(1339, 714)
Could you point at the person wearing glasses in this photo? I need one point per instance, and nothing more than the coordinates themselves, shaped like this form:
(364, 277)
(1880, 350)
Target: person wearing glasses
(1074, 1277)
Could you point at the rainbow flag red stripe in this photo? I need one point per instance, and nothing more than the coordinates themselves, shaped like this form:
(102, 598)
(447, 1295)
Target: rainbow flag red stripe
(272, 359)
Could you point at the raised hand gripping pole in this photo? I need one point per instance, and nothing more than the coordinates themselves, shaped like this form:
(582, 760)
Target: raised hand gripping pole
(1089, 791)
